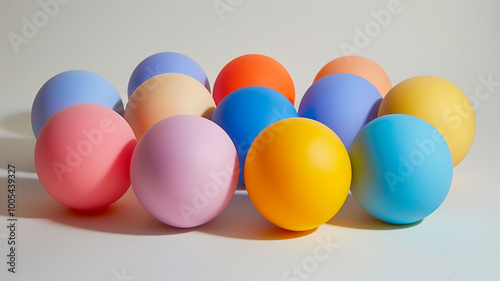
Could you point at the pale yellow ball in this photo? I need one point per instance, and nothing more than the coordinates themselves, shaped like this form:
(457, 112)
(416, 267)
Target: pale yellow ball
(441, 104)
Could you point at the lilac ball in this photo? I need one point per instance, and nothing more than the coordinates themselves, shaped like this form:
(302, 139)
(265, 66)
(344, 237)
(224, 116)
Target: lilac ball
(184, 170)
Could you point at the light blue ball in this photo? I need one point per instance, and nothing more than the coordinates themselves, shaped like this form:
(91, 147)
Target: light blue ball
(166, 62)
(344, 102)
(401, 168)
(70, 88)
(245, 112)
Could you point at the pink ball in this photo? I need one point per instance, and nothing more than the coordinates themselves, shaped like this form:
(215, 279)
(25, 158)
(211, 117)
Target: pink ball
(184, 170)
(82, 156)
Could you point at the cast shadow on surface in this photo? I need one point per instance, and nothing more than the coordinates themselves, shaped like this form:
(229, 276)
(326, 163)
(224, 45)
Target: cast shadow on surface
(352, 215)
(126, 216)
(242, 220)
(19, 123)
(19, 152)
(239, 220)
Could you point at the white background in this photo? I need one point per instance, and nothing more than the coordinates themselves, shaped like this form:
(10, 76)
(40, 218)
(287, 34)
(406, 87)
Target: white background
(456, 40)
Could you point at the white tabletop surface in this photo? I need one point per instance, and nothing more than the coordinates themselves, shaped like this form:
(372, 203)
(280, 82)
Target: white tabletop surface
(456, 40)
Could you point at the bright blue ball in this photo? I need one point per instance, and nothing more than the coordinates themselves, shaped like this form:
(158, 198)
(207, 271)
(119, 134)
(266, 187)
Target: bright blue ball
(245, 112)
(166, 62)
(70, 88)
(401, 168)
(344, 102)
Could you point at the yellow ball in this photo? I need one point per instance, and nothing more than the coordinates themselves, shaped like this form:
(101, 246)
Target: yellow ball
(441, 104)
(297, 173)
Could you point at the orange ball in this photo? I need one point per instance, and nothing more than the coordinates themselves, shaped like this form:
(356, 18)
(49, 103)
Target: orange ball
(360, 66)
(253, 70)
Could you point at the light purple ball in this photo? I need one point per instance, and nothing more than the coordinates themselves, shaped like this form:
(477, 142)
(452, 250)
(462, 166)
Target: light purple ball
(344, 102)
(184, 170)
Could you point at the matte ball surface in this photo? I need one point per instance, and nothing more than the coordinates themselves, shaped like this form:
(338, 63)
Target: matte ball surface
(184, 170)
(70, 88)
(253, 70)
(167, 95)
(440, 103)
(297, 173)
(166, 62)
(360, 66)
(82, 156)
(244, 113)
(401, 167)
(344, 102)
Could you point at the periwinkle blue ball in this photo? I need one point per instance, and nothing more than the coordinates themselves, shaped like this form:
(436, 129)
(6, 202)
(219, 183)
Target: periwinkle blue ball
(166, 62)
(70, 88)
(344, 102)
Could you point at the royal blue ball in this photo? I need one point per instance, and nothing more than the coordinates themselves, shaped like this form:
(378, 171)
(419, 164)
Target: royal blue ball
(70, 88)
(166, 62)
(344, 102)
(245, 112)
(401, 168)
